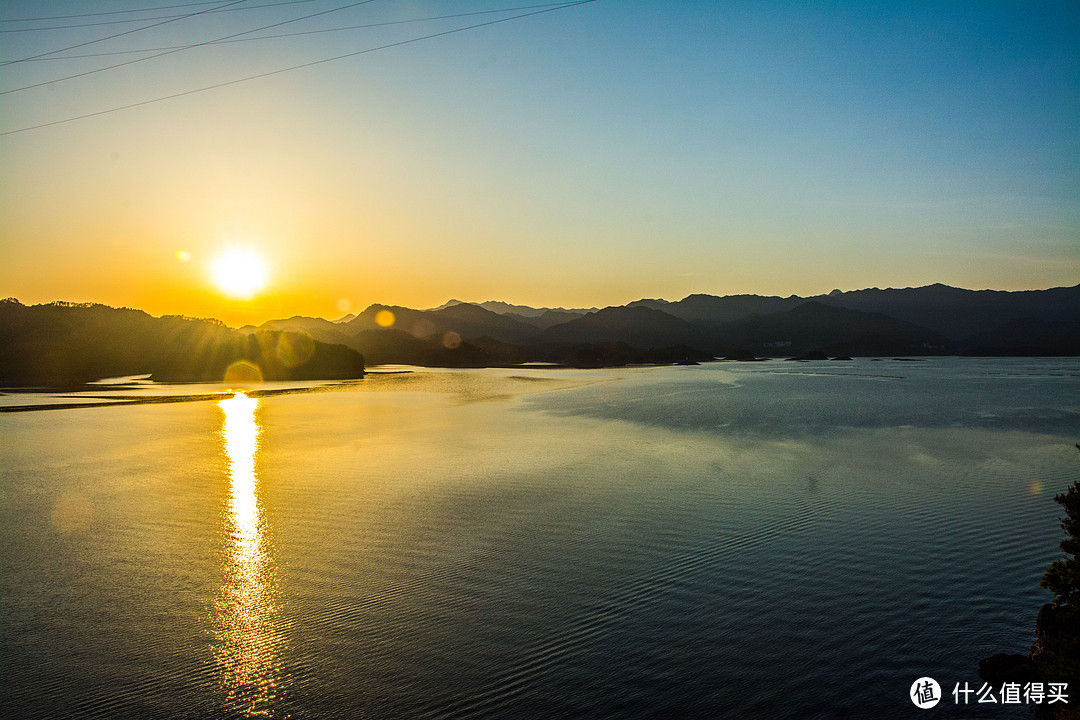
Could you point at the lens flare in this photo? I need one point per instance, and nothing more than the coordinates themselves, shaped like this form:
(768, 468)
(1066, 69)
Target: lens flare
(384, 318)
(243, 372)
(422, 328)
(294, 348)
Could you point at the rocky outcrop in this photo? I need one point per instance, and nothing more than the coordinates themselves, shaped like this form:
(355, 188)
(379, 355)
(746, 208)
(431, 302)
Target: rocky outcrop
(1002, 668)
(1056, 651)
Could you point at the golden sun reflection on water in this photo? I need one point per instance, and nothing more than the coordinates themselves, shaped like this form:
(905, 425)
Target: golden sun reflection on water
(247, 638)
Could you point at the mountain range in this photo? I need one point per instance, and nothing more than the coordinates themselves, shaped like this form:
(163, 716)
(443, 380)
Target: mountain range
(931, 320)
(68, 343)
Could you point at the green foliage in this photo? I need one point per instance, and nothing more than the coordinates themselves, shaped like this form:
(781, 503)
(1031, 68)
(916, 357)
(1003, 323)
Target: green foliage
(1057, 649)
(1063, 576)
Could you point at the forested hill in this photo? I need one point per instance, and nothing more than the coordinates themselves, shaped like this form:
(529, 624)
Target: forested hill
(64, 343)
(932, 320)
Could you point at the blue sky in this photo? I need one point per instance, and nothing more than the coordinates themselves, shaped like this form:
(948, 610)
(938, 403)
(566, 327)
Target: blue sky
(588, 156)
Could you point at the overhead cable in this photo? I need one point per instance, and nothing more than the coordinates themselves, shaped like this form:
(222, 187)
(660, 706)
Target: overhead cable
(156, 17)
(299, 34)
(186, 47)
(294, 67)
(126, 32)
(108, 12)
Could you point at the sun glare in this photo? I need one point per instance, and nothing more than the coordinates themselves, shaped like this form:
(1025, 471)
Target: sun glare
(240, 273)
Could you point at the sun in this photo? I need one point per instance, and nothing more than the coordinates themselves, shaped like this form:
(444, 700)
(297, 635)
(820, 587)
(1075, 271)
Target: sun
(240, 273)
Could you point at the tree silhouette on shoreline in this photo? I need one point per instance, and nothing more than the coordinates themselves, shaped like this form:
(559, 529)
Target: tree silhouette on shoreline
(1057, 648)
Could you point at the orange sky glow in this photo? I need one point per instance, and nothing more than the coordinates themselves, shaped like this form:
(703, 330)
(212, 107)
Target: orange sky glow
(587, 156)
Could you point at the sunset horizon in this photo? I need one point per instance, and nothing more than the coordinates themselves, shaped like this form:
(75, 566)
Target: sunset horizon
(575, 154)
(266, 306)
(487, 359)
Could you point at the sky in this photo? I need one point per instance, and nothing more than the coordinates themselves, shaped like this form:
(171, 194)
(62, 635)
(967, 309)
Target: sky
(573, 155)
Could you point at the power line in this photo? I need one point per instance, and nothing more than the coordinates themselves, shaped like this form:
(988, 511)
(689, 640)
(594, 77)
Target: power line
(109, 12)
(299, 34)
(187, 47)
(156, 17)
(295, 67)
(126, 32)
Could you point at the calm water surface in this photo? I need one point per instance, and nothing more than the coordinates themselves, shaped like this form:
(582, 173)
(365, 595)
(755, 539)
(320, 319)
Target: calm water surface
(735, 540)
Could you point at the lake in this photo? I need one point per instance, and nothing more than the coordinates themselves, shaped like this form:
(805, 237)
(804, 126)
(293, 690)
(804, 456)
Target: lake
(733, 540)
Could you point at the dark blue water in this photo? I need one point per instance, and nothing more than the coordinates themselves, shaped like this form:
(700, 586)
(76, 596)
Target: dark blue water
(759, 540)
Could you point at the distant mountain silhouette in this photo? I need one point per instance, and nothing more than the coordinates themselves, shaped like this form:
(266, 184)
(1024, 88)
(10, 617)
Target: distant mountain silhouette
(710, 310)
(547, 318)
(655, 304)
(961, 314)
(474, 321)
(503, 308)
(463, 319)
(935, 319)
(388, 346)
(323, 330)
(637, 326)
(1027, 336)
(414, 322)
(832, 330)
(62, 343)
